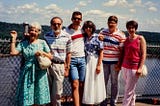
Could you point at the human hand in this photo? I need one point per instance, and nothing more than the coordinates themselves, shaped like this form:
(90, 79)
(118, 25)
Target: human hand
(117, 67)
(39, 53)
(13, 34)
(139, 72)
(66, 68)
(98, 69)
(101, 37)
(66, 73)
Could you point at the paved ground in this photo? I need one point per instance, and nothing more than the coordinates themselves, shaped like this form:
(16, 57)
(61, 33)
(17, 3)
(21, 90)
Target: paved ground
(141, 104)
(146, 102)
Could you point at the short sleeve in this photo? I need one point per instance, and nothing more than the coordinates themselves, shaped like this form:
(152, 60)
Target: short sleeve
(19, 47)
(69, 45)
(123, 38)
(101, 46)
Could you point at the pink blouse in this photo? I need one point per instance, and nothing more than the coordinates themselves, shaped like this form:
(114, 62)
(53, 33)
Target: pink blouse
(132, 56)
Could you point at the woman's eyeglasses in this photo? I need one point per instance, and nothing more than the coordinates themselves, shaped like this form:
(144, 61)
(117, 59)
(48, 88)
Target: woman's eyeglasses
(88, 27)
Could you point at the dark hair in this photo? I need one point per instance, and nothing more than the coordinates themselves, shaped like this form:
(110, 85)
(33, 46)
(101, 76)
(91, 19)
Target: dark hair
(113, 18)
(55, 18)
(132, 23)
(76, 13)
(89, 24)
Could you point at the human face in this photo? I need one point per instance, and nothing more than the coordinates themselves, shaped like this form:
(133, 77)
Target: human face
(112, 25)
(33, 33)
(56, 25)
(88, 29)
(131, 30)
(77, 19)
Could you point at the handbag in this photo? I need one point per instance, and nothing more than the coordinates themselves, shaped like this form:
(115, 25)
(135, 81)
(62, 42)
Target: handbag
(44, 62)
(144, 71)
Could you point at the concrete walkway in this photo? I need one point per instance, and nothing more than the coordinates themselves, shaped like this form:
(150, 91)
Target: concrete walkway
(141, 104)
(146, 102)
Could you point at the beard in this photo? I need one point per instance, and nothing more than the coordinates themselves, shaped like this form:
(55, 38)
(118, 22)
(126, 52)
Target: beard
(57, 31)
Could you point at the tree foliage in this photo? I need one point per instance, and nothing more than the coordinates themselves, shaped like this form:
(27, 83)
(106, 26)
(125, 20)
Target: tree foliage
(5, 28)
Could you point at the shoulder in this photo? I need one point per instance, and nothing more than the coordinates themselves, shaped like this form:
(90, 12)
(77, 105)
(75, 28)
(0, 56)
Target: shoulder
(64, 33)
(121, 33)
(105, 30)
(67, 29)
(50, 33)
(141, 38)
(24, 42)
(41, 41)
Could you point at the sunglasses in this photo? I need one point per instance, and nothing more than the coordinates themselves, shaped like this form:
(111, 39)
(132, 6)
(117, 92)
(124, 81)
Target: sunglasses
(75, 18)
(88, 27)
(54, 24)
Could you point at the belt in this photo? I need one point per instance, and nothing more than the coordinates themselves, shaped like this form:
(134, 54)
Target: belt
(57, 60)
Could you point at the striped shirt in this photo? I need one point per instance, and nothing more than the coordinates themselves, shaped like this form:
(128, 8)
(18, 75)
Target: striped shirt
(77, 42)
(60, 45)
(112, 44)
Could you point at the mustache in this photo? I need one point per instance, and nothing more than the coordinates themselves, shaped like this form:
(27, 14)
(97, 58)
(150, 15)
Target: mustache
(57, 30)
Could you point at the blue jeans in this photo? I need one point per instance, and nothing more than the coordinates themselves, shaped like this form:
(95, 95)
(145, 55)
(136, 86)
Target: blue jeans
(78, 68)
(114, 75)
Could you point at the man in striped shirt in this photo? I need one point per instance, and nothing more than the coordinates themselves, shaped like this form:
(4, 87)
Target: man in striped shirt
(113, 40)
(60, 44)
(77, 65)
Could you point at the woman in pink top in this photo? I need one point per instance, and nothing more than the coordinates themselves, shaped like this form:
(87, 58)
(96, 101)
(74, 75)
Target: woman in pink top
(133, 60)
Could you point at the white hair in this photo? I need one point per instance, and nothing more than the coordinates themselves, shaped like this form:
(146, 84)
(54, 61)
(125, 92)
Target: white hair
(36, 25)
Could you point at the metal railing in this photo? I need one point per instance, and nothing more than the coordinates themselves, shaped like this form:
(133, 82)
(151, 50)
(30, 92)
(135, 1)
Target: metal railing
(147, 87)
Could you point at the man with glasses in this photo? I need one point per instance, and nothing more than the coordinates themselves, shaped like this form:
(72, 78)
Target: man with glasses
(113, 40)
(78, 64)
(60, 44)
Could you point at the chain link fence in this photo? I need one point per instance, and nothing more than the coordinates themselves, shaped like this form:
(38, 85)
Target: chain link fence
(147, 87)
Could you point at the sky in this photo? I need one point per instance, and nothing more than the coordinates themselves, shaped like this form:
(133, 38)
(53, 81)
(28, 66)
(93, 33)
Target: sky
(145, 12)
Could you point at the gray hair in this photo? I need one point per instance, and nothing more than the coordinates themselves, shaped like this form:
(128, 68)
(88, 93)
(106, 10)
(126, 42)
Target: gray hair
(36, 25)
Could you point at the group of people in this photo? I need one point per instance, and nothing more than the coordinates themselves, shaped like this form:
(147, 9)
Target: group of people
(87, 58)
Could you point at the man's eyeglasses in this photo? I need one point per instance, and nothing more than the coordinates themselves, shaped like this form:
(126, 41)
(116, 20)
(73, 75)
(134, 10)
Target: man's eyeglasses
(75, 18)
(54, 24)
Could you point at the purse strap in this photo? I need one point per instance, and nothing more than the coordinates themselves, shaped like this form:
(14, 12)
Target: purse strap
(39, 44)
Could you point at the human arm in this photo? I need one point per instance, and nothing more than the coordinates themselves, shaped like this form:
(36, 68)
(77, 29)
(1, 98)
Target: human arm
(99, 62)
(13, 50)
(143, 54)
(121, 51)
(67, 64)
(120, 60)
(68, 56)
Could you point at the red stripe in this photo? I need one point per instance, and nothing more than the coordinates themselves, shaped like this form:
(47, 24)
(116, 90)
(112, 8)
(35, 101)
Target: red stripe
(111, 48)
(77, 36)
(111, 56)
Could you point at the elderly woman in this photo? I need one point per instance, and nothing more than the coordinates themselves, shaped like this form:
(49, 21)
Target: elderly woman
(94, 86)
(133, 60)
(32, 86)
